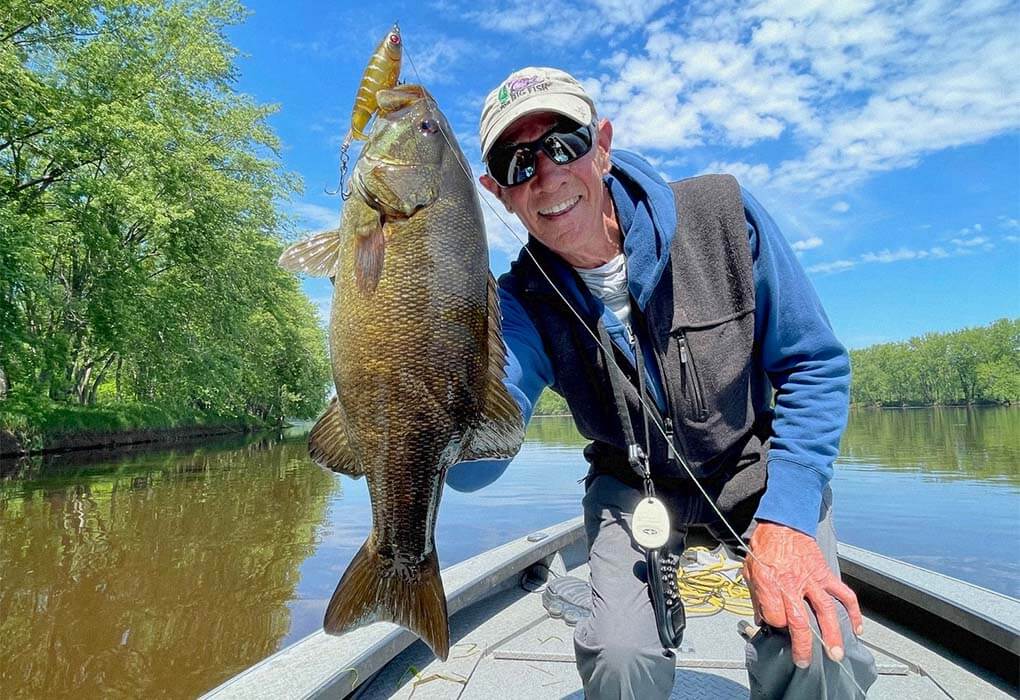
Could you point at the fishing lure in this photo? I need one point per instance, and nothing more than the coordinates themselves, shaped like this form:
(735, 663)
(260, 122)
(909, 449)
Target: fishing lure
(381, 73)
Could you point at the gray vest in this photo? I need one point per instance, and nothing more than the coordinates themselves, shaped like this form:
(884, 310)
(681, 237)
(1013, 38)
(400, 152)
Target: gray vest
(700, 322)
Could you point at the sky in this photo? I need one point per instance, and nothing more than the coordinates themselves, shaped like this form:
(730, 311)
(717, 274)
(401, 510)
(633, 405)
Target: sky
(883, 137)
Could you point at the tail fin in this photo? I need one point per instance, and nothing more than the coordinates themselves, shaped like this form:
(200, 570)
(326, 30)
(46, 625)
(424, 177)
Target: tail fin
(364, 595)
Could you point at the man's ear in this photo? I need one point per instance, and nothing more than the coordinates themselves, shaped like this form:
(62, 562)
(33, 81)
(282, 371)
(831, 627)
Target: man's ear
(604, 137)
(493, 187)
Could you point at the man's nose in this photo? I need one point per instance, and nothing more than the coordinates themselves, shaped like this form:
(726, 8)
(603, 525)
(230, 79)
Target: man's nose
(547, 172)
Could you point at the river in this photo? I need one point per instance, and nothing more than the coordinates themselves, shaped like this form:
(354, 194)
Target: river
(163, 572)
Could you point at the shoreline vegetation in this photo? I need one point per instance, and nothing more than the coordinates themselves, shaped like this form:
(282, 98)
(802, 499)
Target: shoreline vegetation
(967, 367)
(139, 231)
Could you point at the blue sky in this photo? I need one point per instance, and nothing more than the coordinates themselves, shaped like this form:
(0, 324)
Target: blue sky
(884, 137)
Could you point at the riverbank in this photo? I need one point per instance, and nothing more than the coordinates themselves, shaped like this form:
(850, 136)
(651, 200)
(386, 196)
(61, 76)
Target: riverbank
(35, 425)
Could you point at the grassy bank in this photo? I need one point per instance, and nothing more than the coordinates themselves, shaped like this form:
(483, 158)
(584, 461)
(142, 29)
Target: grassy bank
(36, 423)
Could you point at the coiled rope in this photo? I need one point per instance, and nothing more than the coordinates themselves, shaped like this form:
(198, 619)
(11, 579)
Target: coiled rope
(709, 589)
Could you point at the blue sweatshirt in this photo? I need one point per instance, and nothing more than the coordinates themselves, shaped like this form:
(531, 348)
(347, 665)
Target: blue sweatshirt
(805, 363)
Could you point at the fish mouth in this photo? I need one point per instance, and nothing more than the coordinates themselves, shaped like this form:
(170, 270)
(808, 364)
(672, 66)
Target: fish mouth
(388, 212)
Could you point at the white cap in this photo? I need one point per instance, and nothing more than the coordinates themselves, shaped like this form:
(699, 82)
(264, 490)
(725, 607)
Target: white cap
(530, 90)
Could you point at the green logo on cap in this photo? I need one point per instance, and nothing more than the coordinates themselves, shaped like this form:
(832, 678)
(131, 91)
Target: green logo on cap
(503, 96)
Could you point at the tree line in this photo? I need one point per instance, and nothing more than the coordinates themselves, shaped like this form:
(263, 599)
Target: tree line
(972, 365)
(139, 228)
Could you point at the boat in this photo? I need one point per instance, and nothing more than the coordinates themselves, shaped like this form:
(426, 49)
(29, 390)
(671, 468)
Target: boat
(933, 636)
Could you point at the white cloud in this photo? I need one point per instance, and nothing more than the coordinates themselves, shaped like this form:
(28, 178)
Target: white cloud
(628, 12)
(970, 242)
(861, 86)
(314, 216)
(747, 173)
(533, 20)
(887, 256)
(841, 207)
(807, 244)
(432, 58)
(1008, 222)
(565, 22)
(834, 266)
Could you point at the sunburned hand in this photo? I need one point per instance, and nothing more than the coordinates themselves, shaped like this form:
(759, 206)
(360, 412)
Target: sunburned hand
(788, 568)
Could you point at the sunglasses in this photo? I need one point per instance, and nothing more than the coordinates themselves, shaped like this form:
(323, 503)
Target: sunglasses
(513, 164)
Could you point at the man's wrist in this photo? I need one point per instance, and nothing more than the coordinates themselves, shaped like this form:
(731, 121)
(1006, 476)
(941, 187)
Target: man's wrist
(793, 496)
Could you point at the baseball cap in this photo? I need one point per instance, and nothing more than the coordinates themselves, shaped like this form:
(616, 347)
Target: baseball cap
(531, 90)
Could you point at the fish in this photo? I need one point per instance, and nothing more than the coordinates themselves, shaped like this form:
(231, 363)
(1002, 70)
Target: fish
(417, 354)
(381, 73)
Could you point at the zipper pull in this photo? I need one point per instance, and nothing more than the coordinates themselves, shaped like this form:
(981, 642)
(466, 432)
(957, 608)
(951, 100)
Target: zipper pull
(683, 349)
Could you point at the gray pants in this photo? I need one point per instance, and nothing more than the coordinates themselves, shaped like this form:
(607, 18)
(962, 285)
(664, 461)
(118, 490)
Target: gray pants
(618, 650)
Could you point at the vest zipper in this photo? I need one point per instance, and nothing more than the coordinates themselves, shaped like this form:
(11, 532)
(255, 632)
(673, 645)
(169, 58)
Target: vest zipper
(689, 376)
(667, 418)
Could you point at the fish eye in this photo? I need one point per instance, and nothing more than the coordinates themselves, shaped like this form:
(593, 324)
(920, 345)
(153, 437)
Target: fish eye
(428, 126)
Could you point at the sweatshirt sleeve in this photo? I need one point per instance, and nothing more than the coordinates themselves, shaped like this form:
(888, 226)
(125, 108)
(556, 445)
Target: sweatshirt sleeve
(528, 372)
(809, 370)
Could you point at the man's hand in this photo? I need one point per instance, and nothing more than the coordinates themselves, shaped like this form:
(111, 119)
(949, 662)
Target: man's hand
(787, 568)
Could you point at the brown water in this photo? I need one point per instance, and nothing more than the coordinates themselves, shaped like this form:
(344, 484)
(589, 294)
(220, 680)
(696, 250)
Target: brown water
(156, 576)
(163, 573)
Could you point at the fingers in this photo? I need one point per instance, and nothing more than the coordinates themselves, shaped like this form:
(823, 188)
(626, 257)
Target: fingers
(843, 593)
(758, 619)
(767, 597)
(828, 621)
(800, 630)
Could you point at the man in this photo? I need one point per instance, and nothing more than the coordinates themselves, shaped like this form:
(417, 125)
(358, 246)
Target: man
(709, 316)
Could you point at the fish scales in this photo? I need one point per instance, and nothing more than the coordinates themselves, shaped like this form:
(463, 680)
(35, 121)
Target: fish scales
(417, 357)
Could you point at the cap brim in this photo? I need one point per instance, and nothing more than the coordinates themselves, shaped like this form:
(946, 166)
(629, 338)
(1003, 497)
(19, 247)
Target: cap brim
(568, 106)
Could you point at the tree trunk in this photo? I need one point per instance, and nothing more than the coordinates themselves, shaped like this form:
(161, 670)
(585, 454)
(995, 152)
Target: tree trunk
(3, 384)
(90, 394)
(116, 377)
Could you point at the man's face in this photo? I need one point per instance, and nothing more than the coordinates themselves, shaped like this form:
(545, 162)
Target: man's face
(562, 205)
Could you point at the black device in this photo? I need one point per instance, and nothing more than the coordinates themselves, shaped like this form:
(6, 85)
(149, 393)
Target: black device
(670, 618)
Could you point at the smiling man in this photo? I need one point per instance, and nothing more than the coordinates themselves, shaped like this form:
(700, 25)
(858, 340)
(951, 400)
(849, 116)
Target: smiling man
(723, 368)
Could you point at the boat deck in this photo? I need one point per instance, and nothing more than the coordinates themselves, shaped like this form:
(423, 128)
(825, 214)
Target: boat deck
(927, 640)
(509, 647)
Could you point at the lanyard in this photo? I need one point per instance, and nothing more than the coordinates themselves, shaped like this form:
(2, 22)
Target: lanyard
(636, 456)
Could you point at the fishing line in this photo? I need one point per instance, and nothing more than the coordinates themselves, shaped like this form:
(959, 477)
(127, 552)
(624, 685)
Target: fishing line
(610, 357)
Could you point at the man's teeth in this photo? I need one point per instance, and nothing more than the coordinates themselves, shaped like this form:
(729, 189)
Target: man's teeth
(562, 206)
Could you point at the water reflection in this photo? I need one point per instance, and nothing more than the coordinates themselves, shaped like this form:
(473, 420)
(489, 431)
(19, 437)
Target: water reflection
(167, 572)
(156, 575)
(976, 442)
(937, 488)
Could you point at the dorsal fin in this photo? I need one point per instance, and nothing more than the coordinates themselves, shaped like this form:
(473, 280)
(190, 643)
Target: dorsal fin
(316, 256)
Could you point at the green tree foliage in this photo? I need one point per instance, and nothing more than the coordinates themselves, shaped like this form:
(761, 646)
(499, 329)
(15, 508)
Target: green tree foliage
(551, 404)
(972, 365)
(138, 223)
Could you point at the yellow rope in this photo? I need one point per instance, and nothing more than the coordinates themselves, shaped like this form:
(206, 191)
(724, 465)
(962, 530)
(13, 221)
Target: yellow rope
(710, 589)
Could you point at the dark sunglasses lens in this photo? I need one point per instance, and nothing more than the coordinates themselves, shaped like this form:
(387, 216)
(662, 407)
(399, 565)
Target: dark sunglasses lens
(512, 166)
(567, 146)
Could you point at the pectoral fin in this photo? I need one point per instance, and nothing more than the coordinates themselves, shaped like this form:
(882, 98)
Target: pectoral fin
(500, 429)
(369, 254)
(328, 445)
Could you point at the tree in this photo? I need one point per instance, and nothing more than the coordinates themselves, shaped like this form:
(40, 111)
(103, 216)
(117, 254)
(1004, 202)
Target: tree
(138, 223)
